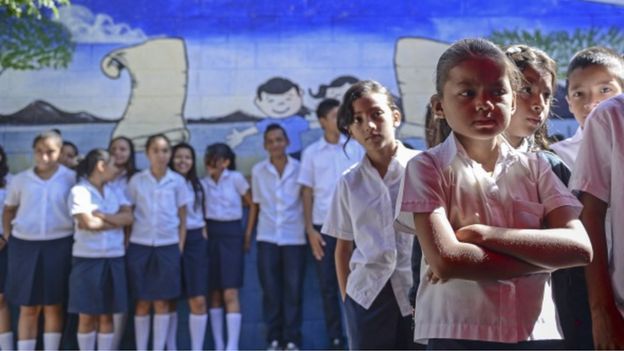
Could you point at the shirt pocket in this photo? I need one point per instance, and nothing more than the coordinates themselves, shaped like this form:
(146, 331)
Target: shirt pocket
(527, 214)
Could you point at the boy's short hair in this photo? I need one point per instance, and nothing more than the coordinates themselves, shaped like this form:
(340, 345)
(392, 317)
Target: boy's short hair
(599, 56)
(275, 126)
(325, 107)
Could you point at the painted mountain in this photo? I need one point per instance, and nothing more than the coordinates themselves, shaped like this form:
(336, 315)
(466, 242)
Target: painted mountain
(42, 112)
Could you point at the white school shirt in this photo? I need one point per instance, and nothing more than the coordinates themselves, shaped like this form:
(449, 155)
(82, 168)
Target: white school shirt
(521, 191)
(568, 149)
(194, 212)
(86, 198)
(42, 212)
(120, 184)
(3, 192)
(224, 197)
(156, 221)
(362, 211)
(322, 164)
(280, 220)
(598, 171)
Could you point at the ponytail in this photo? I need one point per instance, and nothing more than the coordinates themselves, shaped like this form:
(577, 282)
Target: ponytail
(87, 165)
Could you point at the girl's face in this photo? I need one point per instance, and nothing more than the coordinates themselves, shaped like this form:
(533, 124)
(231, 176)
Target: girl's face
(109, 169)
(68, 156)
(477, 99)
(216, 166)
(275, 143)
(533, 104)
(374, 122)
(47, 153)
(120, 150)
(159, 153)
(182, 161)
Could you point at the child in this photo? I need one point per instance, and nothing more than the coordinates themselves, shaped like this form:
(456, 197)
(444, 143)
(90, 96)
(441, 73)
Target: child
(6, 335)
(527, 133)
(372, 259)
(226, 190)
(594, 74)
(69, 155)
(38, 222)
(597, 175)
(195, 256)
(281, 239)
(121, 149)
(322, 163)
(97, 283)
(158, 234)
(478, 206)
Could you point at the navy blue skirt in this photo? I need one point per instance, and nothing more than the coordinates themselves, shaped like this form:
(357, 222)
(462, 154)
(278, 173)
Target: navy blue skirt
(38, 271)
(3, 267)
(195, 264)
(226, 241)
(154, 272)
(98, 286)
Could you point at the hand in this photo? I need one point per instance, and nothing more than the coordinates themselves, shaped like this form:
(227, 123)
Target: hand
(247, 242)
(235, 138)
(432, 277)
(474, 233)
(316, 243)
(3, 242)
(98, 214)
(608, 329)
(205, 233)
(181, 246)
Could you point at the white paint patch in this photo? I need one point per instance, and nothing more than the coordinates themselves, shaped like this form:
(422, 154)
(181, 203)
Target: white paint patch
(87, 27)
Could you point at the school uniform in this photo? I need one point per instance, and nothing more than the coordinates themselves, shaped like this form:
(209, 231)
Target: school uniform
(521, 191)
(3, 253)
(120, 184)
(599, 166)
(224, 213)
(322, 163)
(195, 261)
(153, 257)
(39, 256)
(281, 248)
(568, 148)
(362, 210)
(97, 283)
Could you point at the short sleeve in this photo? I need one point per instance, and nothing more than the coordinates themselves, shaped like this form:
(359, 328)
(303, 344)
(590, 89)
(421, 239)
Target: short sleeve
(132, 190)
(255, 187)
(13, 191)
(122, 199)
(421, 191)
(306, 171)
(552, 191)
(592, 170)
(240, 183)
(80, 200)
(338, 221)
(183, 195)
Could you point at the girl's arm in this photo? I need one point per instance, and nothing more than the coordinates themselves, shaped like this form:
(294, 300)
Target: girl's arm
(122, 218)
(8, 215)
(342, 255)
(92, 221)
(449, 258)
(251, 222)
(566, 244)
(182, 228)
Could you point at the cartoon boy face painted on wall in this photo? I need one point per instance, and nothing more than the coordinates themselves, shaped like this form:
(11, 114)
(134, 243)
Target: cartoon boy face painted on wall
(279, 104)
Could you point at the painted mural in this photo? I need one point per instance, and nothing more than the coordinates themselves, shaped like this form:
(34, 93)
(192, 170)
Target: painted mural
(221, 71)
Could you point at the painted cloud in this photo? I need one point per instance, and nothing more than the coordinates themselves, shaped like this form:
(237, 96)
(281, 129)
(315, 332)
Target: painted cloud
(87, 27)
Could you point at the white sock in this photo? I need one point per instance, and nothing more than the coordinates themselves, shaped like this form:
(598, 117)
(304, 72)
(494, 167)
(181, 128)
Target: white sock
(161, 328)
(86, 341)
(105, 341)
(119, 326)
(141, 331)
(26, 345)
(6, 341)
(233, 330)
(216, 324)
(197, 326)
(172, 344)
(51, 341)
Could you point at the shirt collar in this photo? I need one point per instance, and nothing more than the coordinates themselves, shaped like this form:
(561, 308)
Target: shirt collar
(287, 170)
(452, 148)
(60, 170)
(578, 136)
(323, 143)
(399, 159)
(166, 178)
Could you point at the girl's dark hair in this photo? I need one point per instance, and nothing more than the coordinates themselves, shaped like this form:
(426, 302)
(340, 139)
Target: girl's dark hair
(89, 162)
(524, 57)
(466, 49)
(356, 91)
(152, 138)
(4, 168)
(275, 126)
(218, 151)
(436, 129)
(338, 82)
(130, 166)
(191, 176)
(72, 145)
(48, 135)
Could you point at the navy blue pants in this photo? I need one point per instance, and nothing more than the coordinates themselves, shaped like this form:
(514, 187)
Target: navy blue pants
(454, 344)
(380, 327)
(281, 270)
(328, 282)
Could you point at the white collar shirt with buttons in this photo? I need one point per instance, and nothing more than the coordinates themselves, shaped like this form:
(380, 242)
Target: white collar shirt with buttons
(42, 212)
(322, 164)
(194, 210)
(519, 193)
(224, 197)
(3, 192)
(280, 220)
(85, 198)
(362, 211)
(156, 204)
(567, 149)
